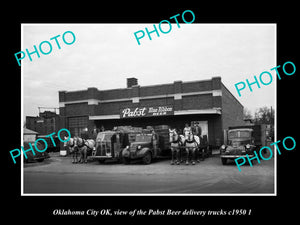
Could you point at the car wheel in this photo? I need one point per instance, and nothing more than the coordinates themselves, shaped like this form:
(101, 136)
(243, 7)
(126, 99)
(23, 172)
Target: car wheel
(224, 161)
(147, 158)
(40, 160)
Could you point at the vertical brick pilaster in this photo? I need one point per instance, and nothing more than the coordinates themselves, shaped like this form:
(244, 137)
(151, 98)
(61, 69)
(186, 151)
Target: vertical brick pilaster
(178, 98)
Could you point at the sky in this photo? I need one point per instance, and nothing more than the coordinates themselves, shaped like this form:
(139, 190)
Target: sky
(104, 55)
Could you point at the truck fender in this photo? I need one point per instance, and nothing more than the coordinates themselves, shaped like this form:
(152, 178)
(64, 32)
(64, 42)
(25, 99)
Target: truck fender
(125, 152)
(143, 151)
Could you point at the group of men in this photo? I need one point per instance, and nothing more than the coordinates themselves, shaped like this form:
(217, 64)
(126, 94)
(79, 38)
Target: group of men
(196, 130)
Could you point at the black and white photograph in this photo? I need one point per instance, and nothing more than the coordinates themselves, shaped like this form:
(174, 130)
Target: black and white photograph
(149, 113)
(166, 109)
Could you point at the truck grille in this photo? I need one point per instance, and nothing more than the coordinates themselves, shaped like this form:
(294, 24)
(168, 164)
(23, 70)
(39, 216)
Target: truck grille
(235, 144)
(133, 148)
(103, 149)
(240, 150)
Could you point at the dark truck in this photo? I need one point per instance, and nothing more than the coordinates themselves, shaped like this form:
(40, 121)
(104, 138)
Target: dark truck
(242, 140)
(126, 143)
(143, 147)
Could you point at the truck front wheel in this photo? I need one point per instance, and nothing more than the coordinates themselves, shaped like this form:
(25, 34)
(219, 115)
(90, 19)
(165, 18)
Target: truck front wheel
(147, 158)
(126, 160)
(101, 161)
(224, 161)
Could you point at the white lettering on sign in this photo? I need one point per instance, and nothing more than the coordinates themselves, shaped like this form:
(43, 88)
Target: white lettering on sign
(146, 111)
(165, 109)
(137, 112)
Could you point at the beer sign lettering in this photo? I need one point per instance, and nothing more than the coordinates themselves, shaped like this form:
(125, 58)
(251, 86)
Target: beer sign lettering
(136, 113)
(146, 111)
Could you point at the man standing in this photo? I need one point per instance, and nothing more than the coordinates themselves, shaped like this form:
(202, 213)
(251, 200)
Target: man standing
(154, 140)
(186, 129)
(198, 130)
(95, 132)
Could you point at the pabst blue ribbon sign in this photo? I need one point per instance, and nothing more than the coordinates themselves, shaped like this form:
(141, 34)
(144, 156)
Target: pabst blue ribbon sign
(146, 111)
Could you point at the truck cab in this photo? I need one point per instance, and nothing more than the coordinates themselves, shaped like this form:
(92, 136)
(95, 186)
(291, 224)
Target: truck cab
(143, 147)
(240, 142)
(109, 145)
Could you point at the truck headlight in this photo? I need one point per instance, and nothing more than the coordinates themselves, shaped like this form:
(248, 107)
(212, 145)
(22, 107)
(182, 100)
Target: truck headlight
(223, 147)
(139, 147)
(247, 146)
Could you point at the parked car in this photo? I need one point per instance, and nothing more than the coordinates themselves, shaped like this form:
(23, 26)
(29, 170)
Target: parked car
(38, 157)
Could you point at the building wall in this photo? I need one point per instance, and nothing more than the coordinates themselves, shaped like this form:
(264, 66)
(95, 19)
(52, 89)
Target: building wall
(197, 102)
(197, 95)
(78, 95)
(77, 109)
(114, 94)
(144, 92)
(163, 89)
(111, 108)
(232, 110)
(45, 123)
(156, 102)
(196, 86)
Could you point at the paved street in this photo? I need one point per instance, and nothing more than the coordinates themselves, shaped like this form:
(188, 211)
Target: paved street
(59, 175)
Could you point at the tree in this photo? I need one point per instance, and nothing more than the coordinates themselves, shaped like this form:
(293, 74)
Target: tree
(264, 115)
(247, 114)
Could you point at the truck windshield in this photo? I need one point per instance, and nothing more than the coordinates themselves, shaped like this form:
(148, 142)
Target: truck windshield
(143, 138)
(239, 134)
(104, 136)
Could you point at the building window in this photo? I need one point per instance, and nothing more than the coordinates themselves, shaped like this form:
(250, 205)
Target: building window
(78, 125)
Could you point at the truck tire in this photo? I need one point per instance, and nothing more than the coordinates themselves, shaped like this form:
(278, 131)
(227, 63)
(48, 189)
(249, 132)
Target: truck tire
(203, 154)
(147, 158)
(209, 150)
(126, 160)
(224, 161)
(101, 161)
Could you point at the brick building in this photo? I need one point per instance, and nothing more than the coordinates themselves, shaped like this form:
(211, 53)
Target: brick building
(206, 102)
(47, 122)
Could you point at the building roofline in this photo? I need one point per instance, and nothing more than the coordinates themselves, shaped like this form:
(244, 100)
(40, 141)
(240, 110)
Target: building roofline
(141, 86)
(232, 94)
